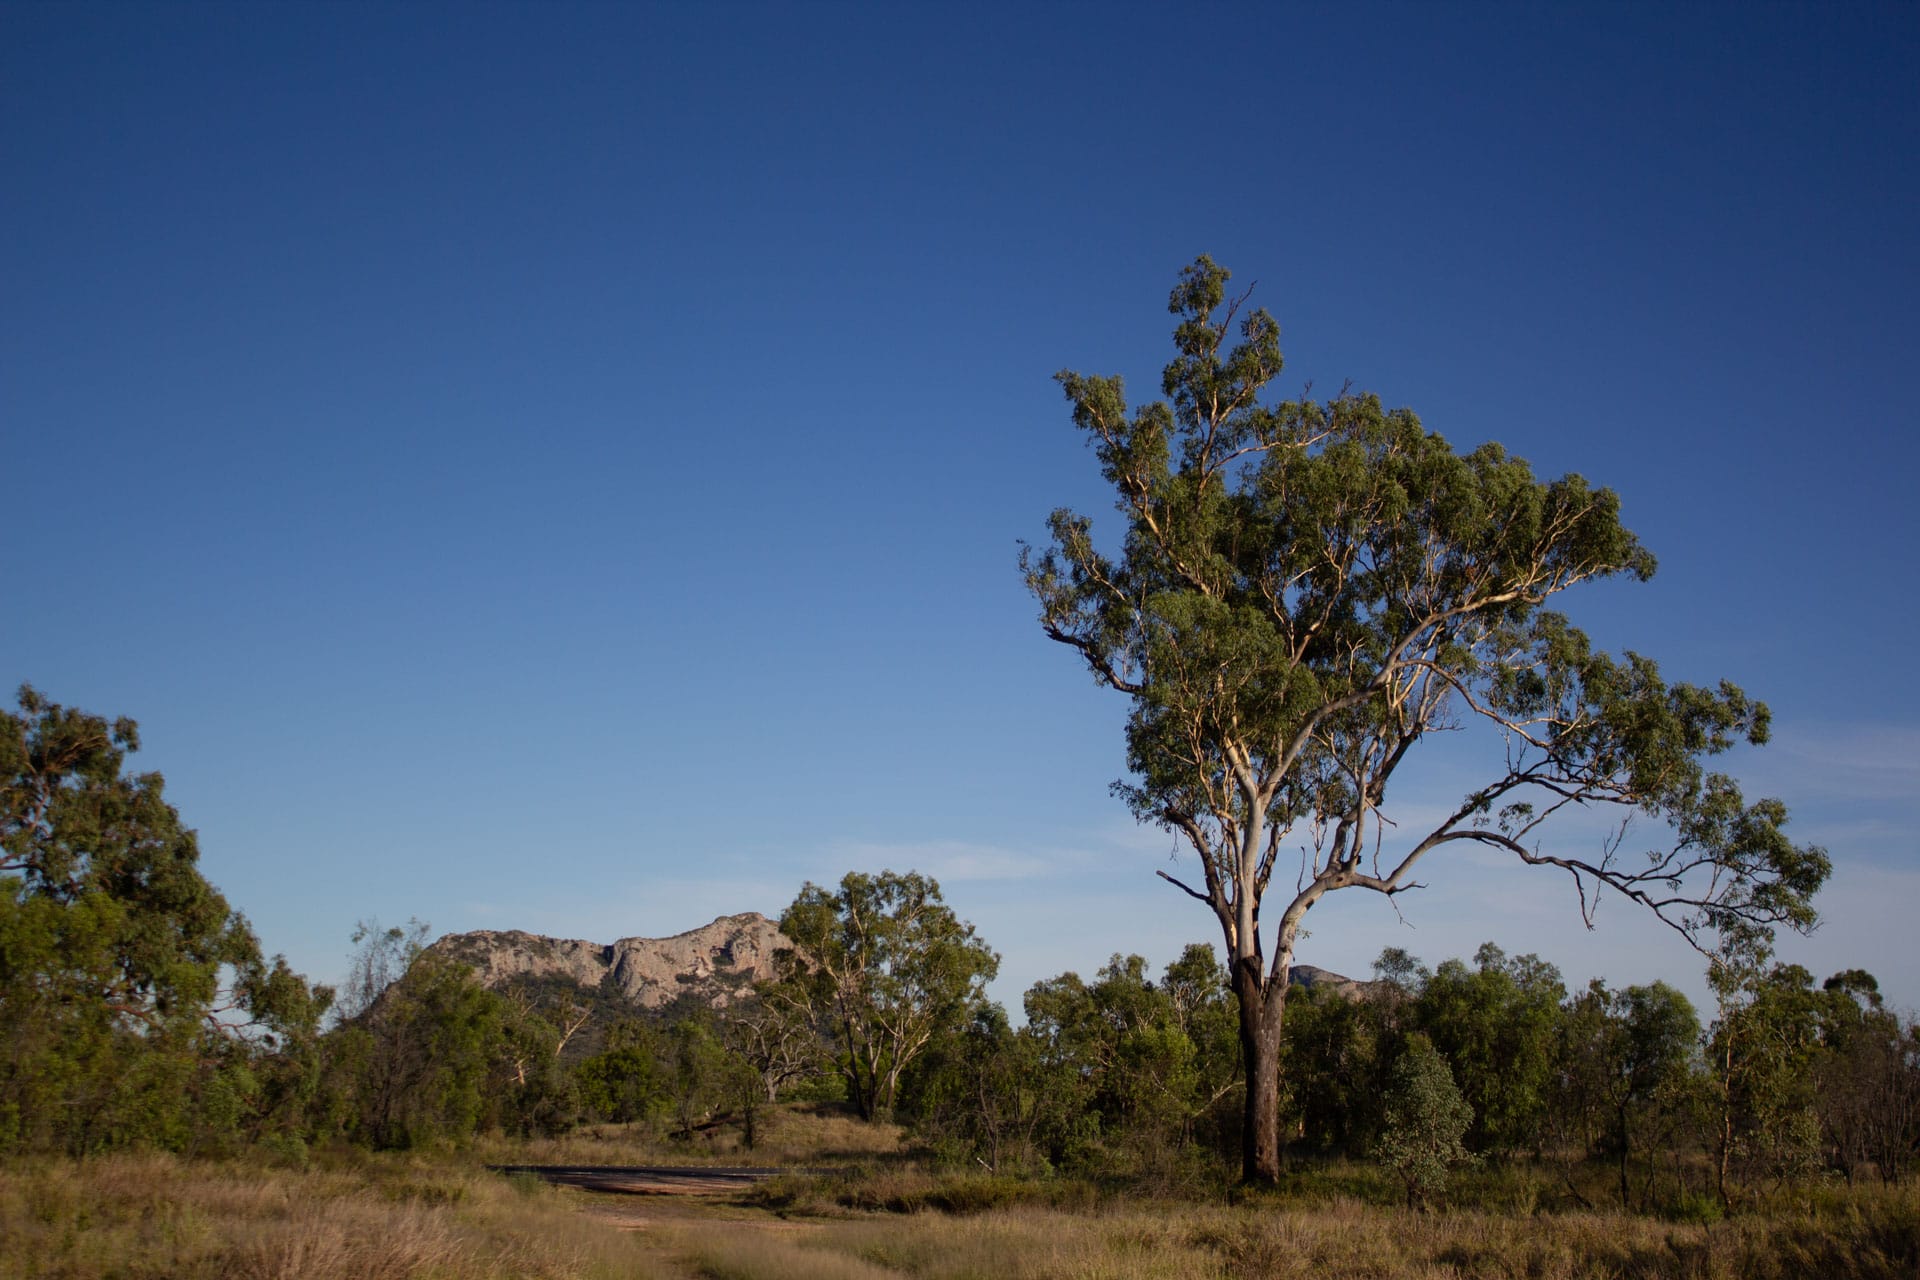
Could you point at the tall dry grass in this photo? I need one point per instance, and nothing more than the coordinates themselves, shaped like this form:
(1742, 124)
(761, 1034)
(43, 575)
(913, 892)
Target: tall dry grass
(789, 1135)
(1876, 1236)
(1878, 1239)
(353, 1215)
(134, 1217)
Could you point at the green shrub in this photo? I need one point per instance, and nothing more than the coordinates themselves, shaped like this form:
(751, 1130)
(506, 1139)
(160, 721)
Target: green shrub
(1424, 1124)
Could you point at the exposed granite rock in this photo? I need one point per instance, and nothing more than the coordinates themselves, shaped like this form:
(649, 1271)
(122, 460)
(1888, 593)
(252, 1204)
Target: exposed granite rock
(716, 962)
(1307, 975)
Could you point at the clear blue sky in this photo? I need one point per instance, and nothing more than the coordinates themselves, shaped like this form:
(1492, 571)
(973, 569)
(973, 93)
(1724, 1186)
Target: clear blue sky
(559, 467)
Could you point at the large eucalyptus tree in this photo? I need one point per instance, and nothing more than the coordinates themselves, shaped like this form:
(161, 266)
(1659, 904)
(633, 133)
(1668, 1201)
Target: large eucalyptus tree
(1307, 590)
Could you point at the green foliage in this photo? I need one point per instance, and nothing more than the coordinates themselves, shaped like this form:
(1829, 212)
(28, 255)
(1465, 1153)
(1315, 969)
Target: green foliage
(1496, 1025)
(773, 1034)
(135, 1005)
(1306, 590)
(1625, 1067)
(438, 1058)
(625, 1081)
(1121, 1076)
(1334, 1068)
(704, 1075)
(1761, 1053)
(1867, 1082)
(1423, 1122)
(1132, 1065)
(885, 967)
(1799, 1078)
(974, 1098)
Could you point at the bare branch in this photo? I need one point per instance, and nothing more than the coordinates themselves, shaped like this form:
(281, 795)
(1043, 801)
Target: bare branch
(1190, 892)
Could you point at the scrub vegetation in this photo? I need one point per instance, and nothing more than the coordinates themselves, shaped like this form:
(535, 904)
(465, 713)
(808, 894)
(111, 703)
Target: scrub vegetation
(352, 1216)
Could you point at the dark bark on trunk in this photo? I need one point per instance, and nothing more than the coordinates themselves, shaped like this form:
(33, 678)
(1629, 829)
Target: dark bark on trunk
(1261, 1008)
(857, 1089)
(1624, 1137)
(863, 1091)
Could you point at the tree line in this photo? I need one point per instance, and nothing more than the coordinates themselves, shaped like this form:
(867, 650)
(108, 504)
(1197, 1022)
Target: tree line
(1490, 1061)
(136, 1009)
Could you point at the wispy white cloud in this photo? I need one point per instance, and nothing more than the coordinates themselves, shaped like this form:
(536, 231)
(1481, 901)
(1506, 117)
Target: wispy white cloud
(1866, 922)
(959, 860)
(1068, 899)
(1838, 761)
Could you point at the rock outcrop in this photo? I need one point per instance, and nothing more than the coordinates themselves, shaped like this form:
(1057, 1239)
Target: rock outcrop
(1307, 975)
(715, 963)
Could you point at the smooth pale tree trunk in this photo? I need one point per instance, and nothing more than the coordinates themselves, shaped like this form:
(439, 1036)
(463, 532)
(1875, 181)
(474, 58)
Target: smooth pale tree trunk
(1262, 1006)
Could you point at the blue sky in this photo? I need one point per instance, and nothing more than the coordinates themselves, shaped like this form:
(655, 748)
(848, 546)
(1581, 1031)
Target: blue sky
(560, 467)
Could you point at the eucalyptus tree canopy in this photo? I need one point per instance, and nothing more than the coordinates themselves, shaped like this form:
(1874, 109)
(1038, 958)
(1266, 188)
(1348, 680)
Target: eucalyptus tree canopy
(128, 986)
(1305, 591)
(885, 967)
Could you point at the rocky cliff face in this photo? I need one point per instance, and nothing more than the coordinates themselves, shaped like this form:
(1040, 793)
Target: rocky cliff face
(1307, 975)
(716, 962)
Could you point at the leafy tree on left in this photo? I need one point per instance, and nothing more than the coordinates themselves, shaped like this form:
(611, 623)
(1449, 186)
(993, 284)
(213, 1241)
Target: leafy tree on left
(135, 1005)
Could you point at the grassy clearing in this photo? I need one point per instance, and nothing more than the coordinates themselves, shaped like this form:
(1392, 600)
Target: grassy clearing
(353, 1215)
(1878, 1240)
(793, 1135)
(138, 1216)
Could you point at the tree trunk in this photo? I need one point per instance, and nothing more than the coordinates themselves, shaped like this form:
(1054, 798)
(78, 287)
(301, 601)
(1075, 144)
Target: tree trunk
(861, 1090)
(1261, 1007)
(1626, 1198)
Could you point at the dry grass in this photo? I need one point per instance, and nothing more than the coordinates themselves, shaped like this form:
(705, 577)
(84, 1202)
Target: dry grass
(791, 1135)
(139, 1217)
(753, 1256)
(134, 1217)
(1875, 1237)
(909, 1189)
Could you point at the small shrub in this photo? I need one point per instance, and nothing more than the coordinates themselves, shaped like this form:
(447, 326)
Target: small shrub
(1424, 1123)
(1695, 1207)
(288, 1150)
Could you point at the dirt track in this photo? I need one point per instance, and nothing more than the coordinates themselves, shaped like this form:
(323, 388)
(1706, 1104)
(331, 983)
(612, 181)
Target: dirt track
(684, 1180)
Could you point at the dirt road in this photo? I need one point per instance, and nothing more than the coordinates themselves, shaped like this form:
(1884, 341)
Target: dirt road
(684, 1180)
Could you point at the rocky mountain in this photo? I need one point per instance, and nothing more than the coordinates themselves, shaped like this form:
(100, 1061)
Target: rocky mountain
(715, 963)
(1307, 975)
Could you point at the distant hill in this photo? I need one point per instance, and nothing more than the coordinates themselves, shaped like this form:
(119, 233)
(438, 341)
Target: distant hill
(715, 964)
(1307, 975)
